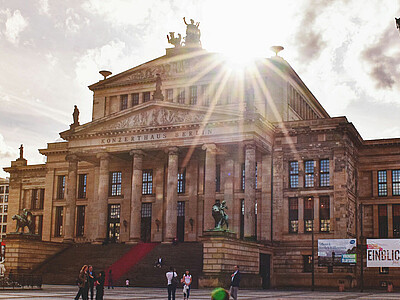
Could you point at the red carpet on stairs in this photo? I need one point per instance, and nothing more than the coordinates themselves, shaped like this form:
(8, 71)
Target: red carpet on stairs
(126, 262)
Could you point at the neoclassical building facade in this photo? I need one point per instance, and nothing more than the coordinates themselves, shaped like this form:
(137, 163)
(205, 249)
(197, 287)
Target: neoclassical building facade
(173, 136)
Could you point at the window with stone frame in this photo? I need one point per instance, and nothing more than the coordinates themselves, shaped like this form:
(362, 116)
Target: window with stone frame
(5, 208)
(37, 199)
(382, 221)
(294, 174)
(82, 182)
(382, 183)
(324, 178)
(135, 99)
(396, 220)
(124, 102)
(205, 91)
(218, 178)
(307, 263)
(181, 95)
(308, 214)
(115, 183)
(293, 215)
(80, 220)
(309, 173)
(181, 181)
(324, 214)
(241, 219)
(256, 183)
(193, 95)
(147, 182)
(396, 182)
(242, 177)
(169, 95)
(60, 186)
(59, 221)
(146, 96)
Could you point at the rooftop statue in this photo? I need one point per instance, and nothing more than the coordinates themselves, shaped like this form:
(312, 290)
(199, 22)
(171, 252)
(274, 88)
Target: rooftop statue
(158, 93)
(176, 41)
(192, 38)
(75, 116)
(24, 220)
(219, 215)
(21, 152)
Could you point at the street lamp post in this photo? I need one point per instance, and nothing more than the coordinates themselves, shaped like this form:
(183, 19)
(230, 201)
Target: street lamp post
(312, 246)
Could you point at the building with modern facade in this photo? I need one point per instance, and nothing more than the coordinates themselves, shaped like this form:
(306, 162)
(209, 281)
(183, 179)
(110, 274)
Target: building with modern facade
(171, 137)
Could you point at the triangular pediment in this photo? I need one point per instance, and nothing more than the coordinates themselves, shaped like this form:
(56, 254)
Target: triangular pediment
(153, 115)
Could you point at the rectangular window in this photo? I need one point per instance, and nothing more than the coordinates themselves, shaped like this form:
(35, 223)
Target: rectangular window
(135, 99)
(206, 95)
(35, 199)
(181, 181)
(2, 189)
(383, 221)
(324, 172)
(7, 187)
(193, 95)
(293, 215)
(308, 214)
(218, 178)
(82, 186)
(309, 173)
(115, 211)
(396, 220)
(5, 198)
(124, 102)
(41, 198)
(294, 174)
(80, 220)
(59, 221)
(241, 218)
(146, 210)
(181, 208)
(181, 96)
(324, 214)
(170, 95)
(146, 96)
(396, 182)
(115, 183)
(39, 226)
(307, 263)
(61, 187)
(5, 208)
(382, 183)
(4, 228)
(147, 182)
(242, 178)
(5, 219)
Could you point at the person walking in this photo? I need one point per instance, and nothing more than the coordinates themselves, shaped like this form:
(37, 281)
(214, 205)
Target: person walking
(91, 280)
(187, 281)
(82, 283)
(110, 280)
(172, 282)
(235, 282)
(100, 285)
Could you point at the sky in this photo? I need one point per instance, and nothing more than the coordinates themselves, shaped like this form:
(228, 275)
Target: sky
(346, 51)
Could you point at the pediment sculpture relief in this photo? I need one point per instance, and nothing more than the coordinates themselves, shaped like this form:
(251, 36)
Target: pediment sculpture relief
(156, 117)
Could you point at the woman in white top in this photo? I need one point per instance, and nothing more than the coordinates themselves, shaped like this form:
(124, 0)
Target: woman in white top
(187, 281)
(172, 279)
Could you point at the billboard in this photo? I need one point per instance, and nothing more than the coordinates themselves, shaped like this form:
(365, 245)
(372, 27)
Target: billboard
(383, 252)
(337, 252)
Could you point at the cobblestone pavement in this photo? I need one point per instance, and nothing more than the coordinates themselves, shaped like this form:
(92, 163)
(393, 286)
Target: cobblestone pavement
(69, 292)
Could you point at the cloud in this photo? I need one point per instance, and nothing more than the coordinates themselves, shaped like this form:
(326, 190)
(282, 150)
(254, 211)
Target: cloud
(15, 24)
(5, 150)
(44, 7)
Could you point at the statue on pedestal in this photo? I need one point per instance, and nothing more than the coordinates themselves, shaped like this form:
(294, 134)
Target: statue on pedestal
(219, 215)
(192, 38)
(24, 220)
(75, 116)
(176, 41)
(158, 93)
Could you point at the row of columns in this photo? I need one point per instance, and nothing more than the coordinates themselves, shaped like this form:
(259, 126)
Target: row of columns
(100, 203)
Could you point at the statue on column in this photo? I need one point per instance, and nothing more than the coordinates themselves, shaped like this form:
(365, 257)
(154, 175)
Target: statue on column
(158, 93)
(192, 38)
(219, 215)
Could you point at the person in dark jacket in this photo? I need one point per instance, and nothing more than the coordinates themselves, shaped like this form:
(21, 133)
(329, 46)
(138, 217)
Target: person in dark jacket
(110, 280)
(100, 285)
(82, 283)
(91, 280)
(235, 282)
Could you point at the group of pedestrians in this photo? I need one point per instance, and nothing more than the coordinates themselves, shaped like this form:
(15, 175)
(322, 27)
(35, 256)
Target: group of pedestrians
(87, 280)
(186, 281)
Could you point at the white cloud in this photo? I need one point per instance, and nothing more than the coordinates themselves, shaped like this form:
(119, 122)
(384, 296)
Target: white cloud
(44, 7)
(6, 152)
(15, 24)
(74, 21)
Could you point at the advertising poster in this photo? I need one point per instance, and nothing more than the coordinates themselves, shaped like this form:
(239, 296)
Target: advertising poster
(337, 252)
(383, 252)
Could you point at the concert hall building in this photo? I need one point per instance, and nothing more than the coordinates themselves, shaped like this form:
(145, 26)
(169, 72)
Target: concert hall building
(171, 137)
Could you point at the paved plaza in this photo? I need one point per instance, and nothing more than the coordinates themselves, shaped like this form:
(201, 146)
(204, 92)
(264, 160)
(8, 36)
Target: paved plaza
(68, 292)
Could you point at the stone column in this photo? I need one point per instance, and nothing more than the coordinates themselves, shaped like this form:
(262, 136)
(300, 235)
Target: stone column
(70, 203)
(209, 186)
(250, 191)
(136, 194)
(172, 195)
(101, 207)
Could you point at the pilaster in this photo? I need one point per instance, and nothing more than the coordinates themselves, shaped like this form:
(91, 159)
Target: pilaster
(101, 207)
(172, 186)
(70, 204)
(209, 186)
(136, 194)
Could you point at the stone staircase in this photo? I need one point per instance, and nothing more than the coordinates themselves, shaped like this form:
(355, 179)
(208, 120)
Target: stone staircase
(64, 267)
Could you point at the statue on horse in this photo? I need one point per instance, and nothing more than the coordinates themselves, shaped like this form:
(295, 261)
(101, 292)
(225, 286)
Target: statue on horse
(219, 215)
(24, 220)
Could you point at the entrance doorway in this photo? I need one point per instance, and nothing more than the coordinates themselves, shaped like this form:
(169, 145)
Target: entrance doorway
(180, 224)
(265, 270)
(145, 224)
(114, 225)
